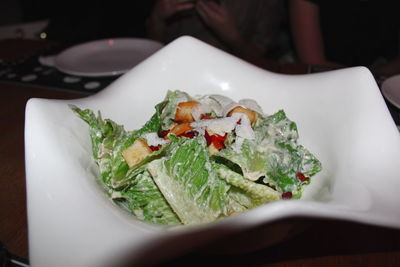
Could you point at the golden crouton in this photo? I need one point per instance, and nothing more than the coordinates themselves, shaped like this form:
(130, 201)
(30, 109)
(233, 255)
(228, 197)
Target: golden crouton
(181, 128)
(250, 114)
(136, 152)
(184, 111)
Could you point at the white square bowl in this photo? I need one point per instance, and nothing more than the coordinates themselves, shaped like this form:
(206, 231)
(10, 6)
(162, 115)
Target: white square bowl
(341, 117)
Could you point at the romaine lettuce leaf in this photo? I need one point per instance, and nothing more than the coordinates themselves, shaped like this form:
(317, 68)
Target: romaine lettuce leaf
(141, 195)
(252, 194)
(189, 183)
(273, 155)
(109, 139)
(105, 136)
(145, 201)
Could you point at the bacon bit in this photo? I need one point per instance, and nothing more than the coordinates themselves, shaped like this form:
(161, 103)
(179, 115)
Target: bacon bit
(155, 148)
(206, 117)
(301, 177)
(287, 195)
(218, 141)
(189, 134)
(163, 133)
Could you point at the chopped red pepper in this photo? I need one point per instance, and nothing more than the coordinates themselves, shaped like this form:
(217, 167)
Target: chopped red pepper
(208, 138)
(301, 177)
(155, 148)
(218, 141)
(163, 133)
(287, 195)
(189, 134)
(206, 117)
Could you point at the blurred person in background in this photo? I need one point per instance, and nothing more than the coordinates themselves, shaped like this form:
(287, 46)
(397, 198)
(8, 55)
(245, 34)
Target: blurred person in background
(347, 33)
(250, 29)
(73, 22)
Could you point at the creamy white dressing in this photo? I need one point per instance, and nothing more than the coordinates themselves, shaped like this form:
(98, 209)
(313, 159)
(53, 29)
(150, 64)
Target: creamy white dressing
(266, 144)
(253, 176)
(237, 145)
(103, 151)
(116, 194)
(153, 139)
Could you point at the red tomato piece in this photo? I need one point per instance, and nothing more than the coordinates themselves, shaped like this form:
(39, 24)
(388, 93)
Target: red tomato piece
(287, 195)
(301, 177)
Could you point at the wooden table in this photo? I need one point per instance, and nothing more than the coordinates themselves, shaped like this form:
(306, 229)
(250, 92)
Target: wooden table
(323, 242)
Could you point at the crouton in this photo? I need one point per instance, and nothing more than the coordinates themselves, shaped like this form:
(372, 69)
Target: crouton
(184, 111)
(249, 113)
(136, 152)
(181, 128)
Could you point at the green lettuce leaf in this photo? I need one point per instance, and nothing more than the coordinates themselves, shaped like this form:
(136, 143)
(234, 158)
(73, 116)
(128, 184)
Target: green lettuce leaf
(106, 136)
(134, 188)
(273, 155)
(145, 201)
(109, 139)
(249, 194)
(189, 183)
(172, 99)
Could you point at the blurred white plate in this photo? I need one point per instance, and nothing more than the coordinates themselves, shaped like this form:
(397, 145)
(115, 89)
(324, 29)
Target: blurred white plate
(106, 57)
(341, 117)
(391, 90)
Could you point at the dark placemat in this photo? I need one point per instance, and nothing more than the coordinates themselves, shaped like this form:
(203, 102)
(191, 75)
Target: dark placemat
(30, 72)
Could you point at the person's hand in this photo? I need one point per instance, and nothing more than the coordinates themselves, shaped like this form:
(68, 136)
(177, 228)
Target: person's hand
(220, 20)
(162, 11)
(165, 9)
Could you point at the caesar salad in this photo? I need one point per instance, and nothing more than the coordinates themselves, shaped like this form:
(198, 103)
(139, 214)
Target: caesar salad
(199, 158)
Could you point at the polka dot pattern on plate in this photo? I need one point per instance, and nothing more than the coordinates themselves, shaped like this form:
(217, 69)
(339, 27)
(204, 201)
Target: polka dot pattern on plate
(92, 85)
(29, 77)
(71, 79)
(48, 72)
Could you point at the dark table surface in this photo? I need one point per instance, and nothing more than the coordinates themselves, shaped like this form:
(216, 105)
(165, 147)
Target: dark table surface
(320, 243)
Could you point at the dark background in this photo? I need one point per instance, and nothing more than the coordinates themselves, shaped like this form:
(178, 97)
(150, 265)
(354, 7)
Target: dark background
(78, 21)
